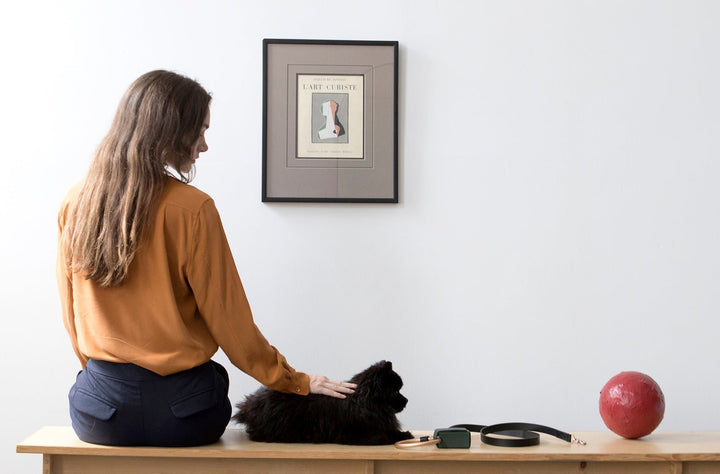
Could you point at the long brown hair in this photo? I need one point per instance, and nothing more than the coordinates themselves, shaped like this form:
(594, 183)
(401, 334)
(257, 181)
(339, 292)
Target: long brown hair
(156, 123)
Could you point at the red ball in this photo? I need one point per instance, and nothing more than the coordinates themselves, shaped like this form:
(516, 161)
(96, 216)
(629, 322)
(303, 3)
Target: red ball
(632, 404)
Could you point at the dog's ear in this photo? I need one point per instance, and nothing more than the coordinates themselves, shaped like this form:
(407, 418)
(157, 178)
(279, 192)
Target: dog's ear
(387, 365)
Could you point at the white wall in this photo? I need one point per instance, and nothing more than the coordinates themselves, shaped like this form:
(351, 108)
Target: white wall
(559, 204)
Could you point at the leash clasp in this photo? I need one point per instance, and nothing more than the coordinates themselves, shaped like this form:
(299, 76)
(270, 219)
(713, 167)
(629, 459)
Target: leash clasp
(574, 439)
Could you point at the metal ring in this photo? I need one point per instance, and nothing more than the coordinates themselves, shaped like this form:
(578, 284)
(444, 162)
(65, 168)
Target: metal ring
(416, 442)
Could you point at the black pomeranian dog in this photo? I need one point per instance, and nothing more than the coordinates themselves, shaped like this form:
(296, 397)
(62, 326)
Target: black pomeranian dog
(366, 417)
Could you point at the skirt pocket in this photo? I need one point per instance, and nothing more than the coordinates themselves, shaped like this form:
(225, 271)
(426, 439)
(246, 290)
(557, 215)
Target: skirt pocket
(195, 403)
(92, 405)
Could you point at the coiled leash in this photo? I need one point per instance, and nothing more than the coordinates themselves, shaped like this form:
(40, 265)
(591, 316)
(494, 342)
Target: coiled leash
(458, 436)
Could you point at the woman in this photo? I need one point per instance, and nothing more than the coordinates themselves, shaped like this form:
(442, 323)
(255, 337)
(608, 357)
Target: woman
(149, 287)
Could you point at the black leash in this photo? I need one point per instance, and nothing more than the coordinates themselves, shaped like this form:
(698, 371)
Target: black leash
(519, 435)
(523, 434)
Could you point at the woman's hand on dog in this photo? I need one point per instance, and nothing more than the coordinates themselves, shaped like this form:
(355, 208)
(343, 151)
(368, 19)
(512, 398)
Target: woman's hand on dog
(324, 386)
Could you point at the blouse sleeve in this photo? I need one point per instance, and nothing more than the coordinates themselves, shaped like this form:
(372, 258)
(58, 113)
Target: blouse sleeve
(65, 290)
(223, 305)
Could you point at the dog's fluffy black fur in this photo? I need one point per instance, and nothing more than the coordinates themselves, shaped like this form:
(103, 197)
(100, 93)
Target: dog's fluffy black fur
(366, 417)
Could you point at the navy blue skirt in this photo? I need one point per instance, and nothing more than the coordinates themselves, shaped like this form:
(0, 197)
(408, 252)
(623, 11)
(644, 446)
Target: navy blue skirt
(126, 405)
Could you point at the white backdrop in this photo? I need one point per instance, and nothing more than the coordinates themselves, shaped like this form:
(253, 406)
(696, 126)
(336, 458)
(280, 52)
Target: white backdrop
(559, 205)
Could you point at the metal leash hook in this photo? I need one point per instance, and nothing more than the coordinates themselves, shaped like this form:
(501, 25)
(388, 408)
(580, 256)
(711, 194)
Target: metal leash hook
(577, 440)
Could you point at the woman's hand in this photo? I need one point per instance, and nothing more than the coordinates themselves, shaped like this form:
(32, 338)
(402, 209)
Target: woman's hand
(324, 386)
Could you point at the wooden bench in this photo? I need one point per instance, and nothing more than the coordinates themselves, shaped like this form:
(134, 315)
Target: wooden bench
(605, 453)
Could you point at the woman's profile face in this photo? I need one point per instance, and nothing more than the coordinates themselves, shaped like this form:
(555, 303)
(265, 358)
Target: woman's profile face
(200, 145)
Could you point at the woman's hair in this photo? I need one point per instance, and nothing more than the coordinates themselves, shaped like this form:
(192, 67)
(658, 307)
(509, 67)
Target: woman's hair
(156, 124)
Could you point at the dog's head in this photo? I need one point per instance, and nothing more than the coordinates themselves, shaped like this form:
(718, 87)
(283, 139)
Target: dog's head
(381, 384)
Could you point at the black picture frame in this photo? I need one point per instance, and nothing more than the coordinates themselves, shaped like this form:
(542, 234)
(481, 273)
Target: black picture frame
(310, 87)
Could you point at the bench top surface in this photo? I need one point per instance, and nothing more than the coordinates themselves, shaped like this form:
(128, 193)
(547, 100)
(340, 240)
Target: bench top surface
(601, 445)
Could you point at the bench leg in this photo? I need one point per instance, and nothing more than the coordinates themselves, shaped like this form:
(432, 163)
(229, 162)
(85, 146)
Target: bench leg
(47, 464)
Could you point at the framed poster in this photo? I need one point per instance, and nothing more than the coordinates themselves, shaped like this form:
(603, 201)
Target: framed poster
(330, 114)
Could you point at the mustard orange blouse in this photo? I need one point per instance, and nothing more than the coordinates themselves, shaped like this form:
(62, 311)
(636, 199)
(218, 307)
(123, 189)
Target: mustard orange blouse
(181, 300)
